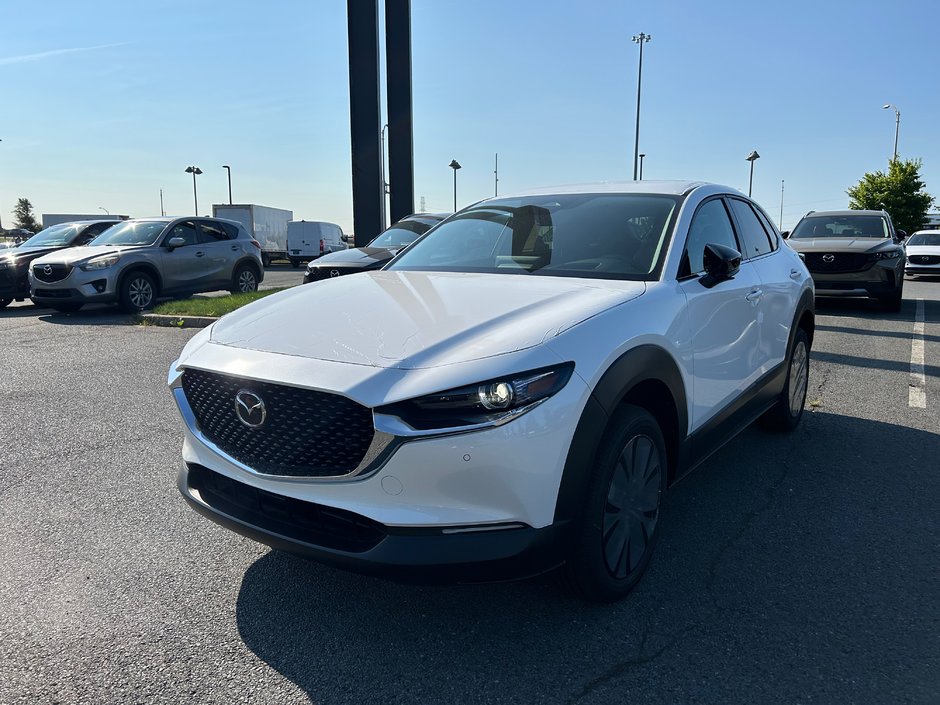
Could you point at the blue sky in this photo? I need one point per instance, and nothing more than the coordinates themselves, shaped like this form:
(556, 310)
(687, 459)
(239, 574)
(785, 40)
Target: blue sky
(104, 103)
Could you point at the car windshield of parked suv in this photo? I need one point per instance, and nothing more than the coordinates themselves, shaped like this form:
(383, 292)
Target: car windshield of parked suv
(54, 236)
(142, 232)
(608, 236)
(841, 226)
(403, 233)
(924, 239)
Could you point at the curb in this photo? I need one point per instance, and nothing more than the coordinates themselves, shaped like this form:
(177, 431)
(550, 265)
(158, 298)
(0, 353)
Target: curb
(155, 319)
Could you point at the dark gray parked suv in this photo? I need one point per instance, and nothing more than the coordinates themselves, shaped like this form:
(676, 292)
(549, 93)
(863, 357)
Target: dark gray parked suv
(853, 253)
(137, 261)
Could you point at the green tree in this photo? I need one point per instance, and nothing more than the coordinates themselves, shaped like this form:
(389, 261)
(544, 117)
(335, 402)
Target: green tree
(23, 216)
(900, 192)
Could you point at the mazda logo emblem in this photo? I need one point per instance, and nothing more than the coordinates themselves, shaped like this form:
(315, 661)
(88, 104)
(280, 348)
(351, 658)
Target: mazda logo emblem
(250, 408)
(47, 270)
(925, 259)
(829, 258)
(334, 272)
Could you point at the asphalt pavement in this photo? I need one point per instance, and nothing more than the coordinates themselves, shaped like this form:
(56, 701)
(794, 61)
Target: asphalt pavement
(794, 568)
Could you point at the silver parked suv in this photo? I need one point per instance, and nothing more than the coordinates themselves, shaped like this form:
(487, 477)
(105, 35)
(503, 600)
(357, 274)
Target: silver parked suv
(135, 262)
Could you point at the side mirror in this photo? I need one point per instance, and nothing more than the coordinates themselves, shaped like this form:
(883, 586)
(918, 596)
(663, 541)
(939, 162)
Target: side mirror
(785, 234)
(902, 235)
(721, 263)
(175, 242)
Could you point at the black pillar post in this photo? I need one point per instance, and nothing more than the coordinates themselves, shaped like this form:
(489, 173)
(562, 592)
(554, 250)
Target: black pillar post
(400, 114)
(362, 18)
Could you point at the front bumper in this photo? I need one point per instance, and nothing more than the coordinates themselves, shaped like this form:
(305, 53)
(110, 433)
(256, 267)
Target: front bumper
(98, 286)
(353, 542)
(881, 278)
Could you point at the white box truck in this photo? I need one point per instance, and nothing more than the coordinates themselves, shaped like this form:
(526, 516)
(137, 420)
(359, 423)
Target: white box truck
(268, 225)
(309, 239)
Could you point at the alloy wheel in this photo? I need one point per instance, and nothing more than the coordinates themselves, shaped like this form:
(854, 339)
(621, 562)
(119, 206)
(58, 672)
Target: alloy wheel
(247, 281)
(140, 292)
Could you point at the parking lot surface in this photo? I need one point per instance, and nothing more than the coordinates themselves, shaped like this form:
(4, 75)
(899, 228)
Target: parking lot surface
(791, 568)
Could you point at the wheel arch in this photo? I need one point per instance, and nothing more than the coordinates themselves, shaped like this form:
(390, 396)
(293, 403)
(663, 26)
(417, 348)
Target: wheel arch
(146, 268)
(646, 376)
(251, 262)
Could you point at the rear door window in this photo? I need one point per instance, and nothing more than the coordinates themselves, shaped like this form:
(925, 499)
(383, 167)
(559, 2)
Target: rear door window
(211, 231)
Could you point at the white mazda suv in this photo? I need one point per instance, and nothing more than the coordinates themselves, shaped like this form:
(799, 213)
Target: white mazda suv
(512, 394)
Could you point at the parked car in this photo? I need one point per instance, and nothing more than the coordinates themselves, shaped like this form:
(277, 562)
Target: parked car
(309, 239)
(853, 253)
(136, 261)
(19, 235)
(516, 390)
(923, 253)
(14, 265)
(377, 253)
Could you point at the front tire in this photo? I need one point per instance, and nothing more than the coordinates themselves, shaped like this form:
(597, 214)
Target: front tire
(785, 415)
(244, 280)
(619, 525)
(894, 301)
(137, 292)
(294, 262)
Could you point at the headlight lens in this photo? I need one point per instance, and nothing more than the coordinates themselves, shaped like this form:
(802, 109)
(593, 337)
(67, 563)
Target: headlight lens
(102, 262)
(887, 254)
(7, 261)
(487, 402)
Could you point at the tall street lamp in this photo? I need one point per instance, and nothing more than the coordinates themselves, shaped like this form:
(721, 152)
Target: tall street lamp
(195, 171)
(229, 170)
(102, 208)
(455, 165)
(752, 157)
(897, 127)
(642, 157)
(640, 39)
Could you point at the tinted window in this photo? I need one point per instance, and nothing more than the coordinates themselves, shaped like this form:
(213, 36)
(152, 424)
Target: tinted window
(710, 225)
(230, 230)
(131, 232)
(211, 231)
(755, 240)
(185, 230)
(612, 236)
(924, 239)
(841, 226)
(53, 236)
(769, 227)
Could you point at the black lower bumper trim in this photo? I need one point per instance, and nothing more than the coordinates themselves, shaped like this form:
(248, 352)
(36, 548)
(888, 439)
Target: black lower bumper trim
(353, 542)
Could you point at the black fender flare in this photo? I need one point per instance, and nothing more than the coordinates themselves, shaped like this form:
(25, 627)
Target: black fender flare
(643, 363)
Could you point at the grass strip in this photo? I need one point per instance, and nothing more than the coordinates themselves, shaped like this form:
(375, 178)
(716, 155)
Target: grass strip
(210, 305)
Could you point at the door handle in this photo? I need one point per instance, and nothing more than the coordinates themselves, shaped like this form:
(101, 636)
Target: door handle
(795, 274)
(200, 254)
(234, 247)
(754, 296)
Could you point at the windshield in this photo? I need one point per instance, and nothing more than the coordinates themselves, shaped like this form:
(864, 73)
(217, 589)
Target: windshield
(841, 226)
(608, 236)
(402, 233)
(141, 232)
(54, 236)
(924, 239)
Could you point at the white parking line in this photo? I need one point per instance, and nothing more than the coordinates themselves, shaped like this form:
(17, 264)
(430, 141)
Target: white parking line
(917, 394)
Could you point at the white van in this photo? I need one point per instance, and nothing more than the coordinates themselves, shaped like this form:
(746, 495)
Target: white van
(309, 239)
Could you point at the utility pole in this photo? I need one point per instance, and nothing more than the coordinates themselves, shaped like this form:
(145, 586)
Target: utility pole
(496, 176)
(781, 204)
(640, 39)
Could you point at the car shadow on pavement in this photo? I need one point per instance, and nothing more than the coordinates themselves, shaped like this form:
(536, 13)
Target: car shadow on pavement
(785, 569)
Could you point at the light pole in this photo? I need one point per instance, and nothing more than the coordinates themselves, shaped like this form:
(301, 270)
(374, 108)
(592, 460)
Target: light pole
(102, 208)
(195, 171)
(229, 170)
(642, 156)
(897, 127)
(752, 157)
(496, 177)
(781, 204)
(384, 180)
(455, 165)
(640, 39)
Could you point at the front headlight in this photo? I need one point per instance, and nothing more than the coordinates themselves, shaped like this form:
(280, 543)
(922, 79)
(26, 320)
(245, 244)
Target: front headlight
(887, 254)
(7, 261)
(492, 402)
(102, 262)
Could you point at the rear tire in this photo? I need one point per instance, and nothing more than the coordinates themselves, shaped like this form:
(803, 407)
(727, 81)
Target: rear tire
(137, 292)
(244, 280)
(619, 525)
(785, 415)
(294, 262)
(66, 307)
(265, 259)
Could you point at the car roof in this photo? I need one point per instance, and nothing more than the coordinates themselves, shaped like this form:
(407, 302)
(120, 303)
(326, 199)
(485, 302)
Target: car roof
(671, 188)
(847, 211)
(926, 232)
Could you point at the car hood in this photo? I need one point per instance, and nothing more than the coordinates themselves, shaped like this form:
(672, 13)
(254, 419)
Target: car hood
(413, 320)
(30, 253)
(71, 255)
(359, 256)
(923, 250)
(841, 244)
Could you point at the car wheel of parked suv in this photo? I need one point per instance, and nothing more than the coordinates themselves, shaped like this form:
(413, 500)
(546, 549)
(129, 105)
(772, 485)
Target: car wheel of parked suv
(244, 280)
(893, 301)
(619, 523)
(786, 414)
(137, 292)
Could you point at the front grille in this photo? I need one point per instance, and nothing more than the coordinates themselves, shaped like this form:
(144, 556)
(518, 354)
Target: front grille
(305, 433)
(924, 259)
(54, 293)
(325, 272)
(841, 261)
(311, 523)
(51, 272)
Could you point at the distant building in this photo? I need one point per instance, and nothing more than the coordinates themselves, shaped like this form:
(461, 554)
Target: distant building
(933, 221)
(49, 219)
